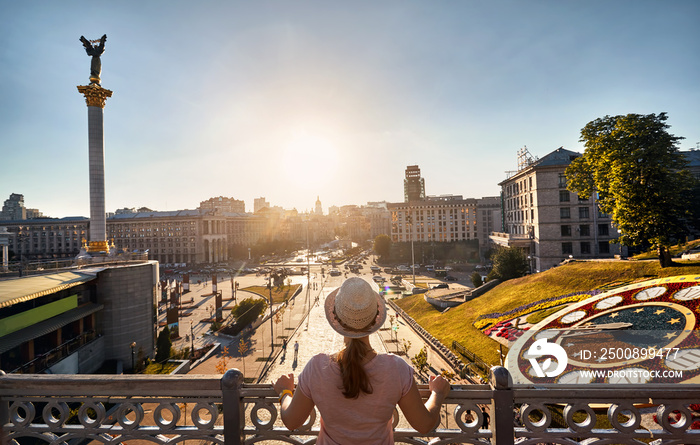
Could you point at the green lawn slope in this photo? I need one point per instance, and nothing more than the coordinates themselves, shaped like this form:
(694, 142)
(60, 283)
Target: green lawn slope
(576, 276)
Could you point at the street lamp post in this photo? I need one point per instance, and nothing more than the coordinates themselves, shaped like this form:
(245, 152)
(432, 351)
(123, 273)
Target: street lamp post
(133, 345)
(272, 336)
(413, 257)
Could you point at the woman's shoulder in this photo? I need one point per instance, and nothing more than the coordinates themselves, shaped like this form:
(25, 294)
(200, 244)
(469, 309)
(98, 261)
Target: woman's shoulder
(393, 360)
(321, 361)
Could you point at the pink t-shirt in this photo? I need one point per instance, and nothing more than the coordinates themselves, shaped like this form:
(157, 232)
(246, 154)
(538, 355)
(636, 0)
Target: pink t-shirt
(365, 420)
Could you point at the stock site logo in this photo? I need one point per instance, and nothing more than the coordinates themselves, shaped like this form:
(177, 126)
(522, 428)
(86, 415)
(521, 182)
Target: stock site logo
(541, 348)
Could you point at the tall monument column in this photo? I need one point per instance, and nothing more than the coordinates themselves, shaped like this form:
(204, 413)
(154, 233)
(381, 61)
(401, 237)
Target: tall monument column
(96, 98)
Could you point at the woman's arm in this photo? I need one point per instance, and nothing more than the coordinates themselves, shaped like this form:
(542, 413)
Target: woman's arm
(295, 409)
(424, 417)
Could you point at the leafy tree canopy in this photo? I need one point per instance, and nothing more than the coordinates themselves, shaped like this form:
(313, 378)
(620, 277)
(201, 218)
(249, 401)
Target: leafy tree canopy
(508, 263)
(382, 245)
(163, 345)
(633, 164)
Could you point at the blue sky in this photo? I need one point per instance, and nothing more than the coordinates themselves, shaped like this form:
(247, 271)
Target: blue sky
(291, 100)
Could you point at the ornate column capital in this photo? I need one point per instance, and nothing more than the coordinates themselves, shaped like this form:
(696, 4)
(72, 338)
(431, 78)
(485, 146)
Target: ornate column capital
(95, 95)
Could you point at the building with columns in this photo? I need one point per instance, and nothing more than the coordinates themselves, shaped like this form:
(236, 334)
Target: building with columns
(186, 236)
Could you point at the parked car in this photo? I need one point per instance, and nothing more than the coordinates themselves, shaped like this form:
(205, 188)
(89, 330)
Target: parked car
(375, 269)
(451, 278)
(334, 272)
(378, 279)
(441, 286)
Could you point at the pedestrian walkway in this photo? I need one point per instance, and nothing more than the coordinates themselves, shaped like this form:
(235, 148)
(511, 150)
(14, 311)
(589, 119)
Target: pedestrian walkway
(258, 352)
(313, 337)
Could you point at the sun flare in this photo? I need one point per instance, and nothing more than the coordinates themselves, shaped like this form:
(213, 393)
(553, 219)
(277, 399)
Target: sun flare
(310, 161)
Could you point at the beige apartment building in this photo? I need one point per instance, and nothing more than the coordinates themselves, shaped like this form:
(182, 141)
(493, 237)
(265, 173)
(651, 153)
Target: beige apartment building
(552, 224)
(435, 219)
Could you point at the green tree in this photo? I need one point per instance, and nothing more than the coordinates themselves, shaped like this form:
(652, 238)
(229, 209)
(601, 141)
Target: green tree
(476, 279)
(508, 263)
(632, 165)
(382, 245)
(163, 345)
(247, 311)
(420, 360)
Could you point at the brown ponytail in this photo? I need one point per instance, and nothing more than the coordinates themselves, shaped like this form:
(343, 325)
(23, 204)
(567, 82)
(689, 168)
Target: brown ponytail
(355, 379)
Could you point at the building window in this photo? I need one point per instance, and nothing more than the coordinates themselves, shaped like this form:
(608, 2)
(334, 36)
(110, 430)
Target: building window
(563, 196)
(565, 213)
(604, 247)
(566, 230)
(583, 212)
(567, 248)
(562, 180)
(585, 248)
(585, 230)
(603, 229)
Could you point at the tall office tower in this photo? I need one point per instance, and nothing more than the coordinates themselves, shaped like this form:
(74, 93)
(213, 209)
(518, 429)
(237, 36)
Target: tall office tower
(413, 185)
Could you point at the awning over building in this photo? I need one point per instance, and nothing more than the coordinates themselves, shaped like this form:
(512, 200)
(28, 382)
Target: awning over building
(17, 290)
(47, 326)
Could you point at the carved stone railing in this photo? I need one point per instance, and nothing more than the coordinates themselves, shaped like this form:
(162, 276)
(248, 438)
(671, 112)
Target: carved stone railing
(223, 410)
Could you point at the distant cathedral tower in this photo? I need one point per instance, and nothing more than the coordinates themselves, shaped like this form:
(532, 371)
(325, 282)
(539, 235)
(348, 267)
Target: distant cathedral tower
(413, 185)
(319, 208)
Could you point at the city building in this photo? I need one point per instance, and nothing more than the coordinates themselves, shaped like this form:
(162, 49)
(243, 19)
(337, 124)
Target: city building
(693, 158)
(379, 218)
(259, 204)
(435, 219)
(46, 238)
(318, 210)
(13, 208)
(35, 214)
(72, 321)
(546, 220)
(413, 185)
(186, 236)
(223, 204)
(488, 217)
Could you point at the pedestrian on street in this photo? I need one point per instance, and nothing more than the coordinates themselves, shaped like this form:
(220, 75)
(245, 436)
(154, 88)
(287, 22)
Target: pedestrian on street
(357, 382)
(296, 350)
(486, 418)
(284, 345)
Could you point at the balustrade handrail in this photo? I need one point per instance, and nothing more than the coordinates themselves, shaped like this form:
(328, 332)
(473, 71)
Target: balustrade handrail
(226, 411)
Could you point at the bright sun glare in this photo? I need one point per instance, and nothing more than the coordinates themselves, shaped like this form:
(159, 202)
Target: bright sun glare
(310, 161)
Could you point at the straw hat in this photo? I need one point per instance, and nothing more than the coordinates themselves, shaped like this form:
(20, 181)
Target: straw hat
(354, 309)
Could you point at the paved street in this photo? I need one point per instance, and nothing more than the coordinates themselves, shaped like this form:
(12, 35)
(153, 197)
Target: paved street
(313, 334)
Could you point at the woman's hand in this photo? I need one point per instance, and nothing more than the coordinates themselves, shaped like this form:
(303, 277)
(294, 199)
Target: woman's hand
(439, 385)
(284, 382)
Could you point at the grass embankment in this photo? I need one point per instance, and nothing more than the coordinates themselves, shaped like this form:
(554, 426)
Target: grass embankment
(675, 250)
(280, 294)
(457, 323)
